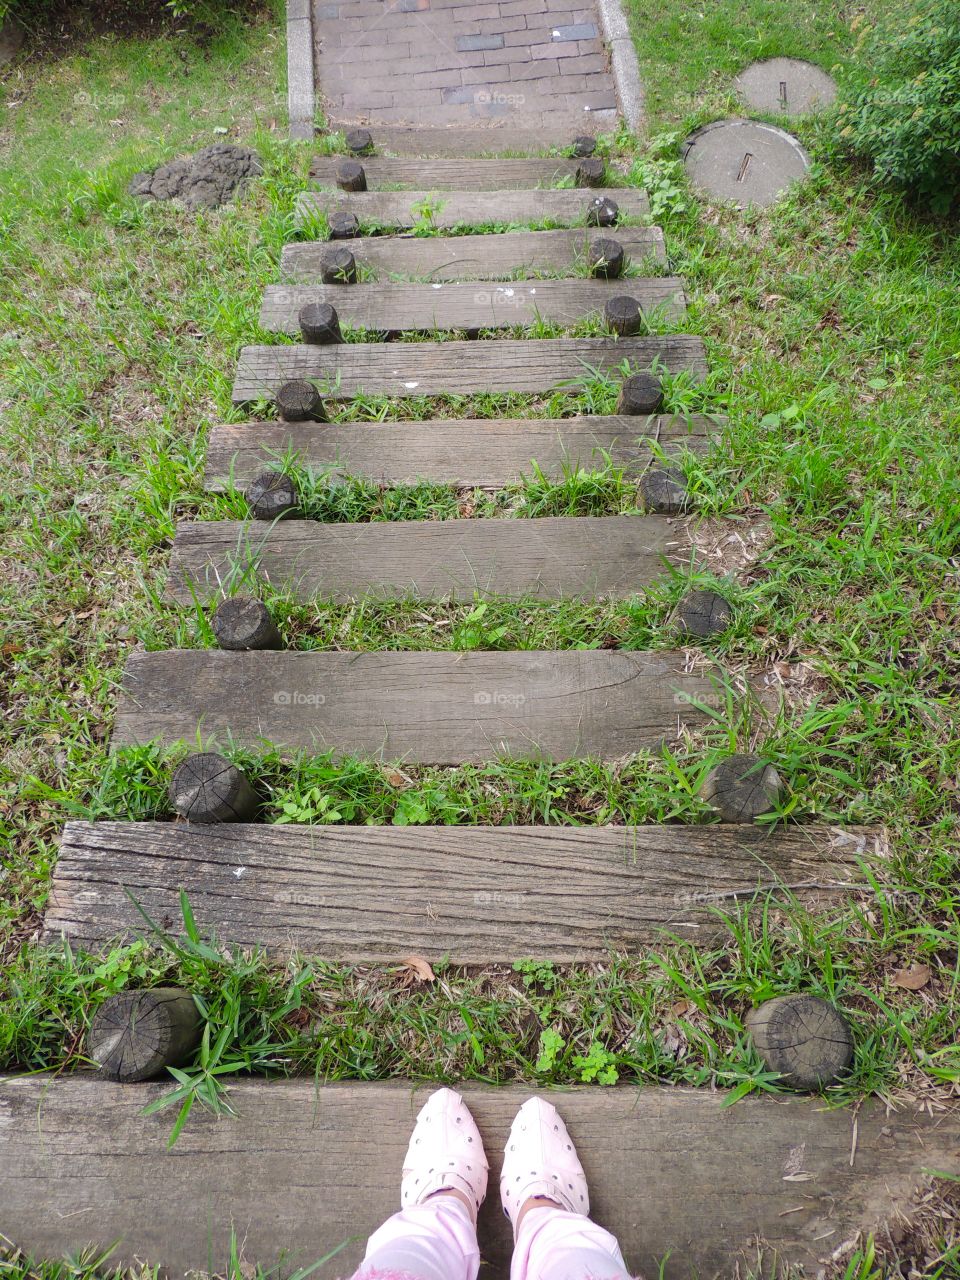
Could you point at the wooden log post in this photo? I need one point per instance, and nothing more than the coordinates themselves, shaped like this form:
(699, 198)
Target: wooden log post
(319, 324)
(742, 788)
(640, 395)
(136, 1035)
(338, 266)
(271, 495)
(300, 401)
(351, 176)
(802, 1037)
(591, 172)
(343, 226)
(207, 788)
(359, 141)
(584, 145)
(603, 212)
(703, 613)
(664, 491)
(606, 259)
(623, 316)
(242, 622)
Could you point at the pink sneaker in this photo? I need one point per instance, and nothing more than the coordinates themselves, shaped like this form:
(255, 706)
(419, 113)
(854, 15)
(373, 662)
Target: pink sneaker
(541, 1160)
(445, 1151)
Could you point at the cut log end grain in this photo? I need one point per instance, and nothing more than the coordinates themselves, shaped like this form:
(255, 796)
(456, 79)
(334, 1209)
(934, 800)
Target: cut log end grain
(136, 1035)
(742, 788)
(207, 788)
(300, 401)
(703, 614)
(359, 141)
(606, 259)
(803, 1038)
(243, 622)
(591, 172)
(640, 394)
(623, 316)
(603, 212)
(319, 324)
(664, 491)
(271, 495)
(351, 176)
(343, 226)
(338, 266)
(584, 145)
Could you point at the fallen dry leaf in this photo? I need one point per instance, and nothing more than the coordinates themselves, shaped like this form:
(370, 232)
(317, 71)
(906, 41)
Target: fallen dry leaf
(417, 970)
(912, 978)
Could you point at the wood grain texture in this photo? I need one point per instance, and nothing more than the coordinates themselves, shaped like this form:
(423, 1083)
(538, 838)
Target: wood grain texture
(480, 257)
(398, 210)
(303, 1167)
(460, 451)
(556, 556)
(464, 368)
(431, 708)
(478, 895)
(394, 308)
(449, 174)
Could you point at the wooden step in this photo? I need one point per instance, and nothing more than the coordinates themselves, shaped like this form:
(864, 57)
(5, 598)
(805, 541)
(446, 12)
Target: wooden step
(553, 556)
(402, 210)
(455, 368)
(450, 174)
(393, 308)
(490, 138)
(475, 895)
(480, 257)
(305, 1166)
(424, 708)
(491, 452)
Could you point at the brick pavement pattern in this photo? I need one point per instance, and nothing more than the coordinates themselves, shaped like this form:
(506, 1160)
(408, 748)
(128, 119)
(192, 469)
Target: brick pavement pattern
(536, 65)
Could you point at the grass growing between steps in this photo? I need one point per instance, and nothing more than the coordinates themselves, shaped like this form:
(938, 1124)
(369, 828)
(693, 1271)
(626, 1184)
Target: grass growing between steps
(832, 325)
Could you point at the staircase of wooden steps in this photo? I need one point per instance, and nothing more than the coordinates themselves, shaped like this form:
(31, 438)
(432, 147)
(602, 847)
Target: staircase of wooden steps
(672, 1171)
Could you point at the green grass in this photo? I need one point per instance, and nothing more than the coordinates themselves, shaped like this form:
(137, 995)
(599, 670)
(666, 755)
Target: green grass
(832, 325)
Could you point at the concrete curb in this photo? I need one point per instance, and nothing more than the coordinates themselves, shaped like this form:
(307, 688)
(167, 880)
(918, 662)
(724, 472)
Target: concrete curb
(624, 62)
(301, 102)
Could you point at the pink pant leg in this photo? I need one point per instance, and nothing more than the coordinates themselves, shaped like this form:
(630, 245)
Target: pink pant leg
(436, 1240)
(555, 1245)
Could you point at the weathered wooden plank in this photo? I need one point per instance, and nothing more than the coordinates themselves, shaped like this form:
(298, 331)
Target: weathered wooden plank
(436, 368)
(478, 895)
(479, 257)
(554, 556)
(304, 1167)
(393, 308)
(430, 708)
(460, 451)
(402, 210)
(450, 174)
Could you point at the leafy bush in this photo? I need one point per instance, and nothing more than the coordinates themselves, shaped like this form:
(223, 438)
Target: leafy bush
(906, 118)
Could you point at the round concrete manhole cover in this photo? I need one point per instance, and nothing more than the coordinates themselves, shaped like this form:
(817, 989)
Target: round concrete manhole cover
(786, 85)
(744, 161)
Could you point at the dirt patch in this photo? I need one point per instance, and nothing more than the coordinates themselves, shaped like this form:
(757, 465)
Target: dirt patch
(203, 181)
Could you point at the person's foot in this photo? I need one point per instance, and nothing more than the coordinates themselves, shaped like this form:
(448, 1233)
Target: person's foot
(445, 1155)
(540, 1165)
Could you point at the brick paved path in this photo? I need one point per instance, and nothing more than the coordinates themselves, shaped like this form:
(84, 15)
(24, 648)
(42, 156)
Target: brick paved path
(533, 65)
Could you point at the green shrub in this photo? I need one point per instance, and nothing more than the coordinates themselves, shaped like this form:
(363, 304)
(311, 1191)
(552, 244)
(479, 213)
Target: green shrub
(906, 117)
